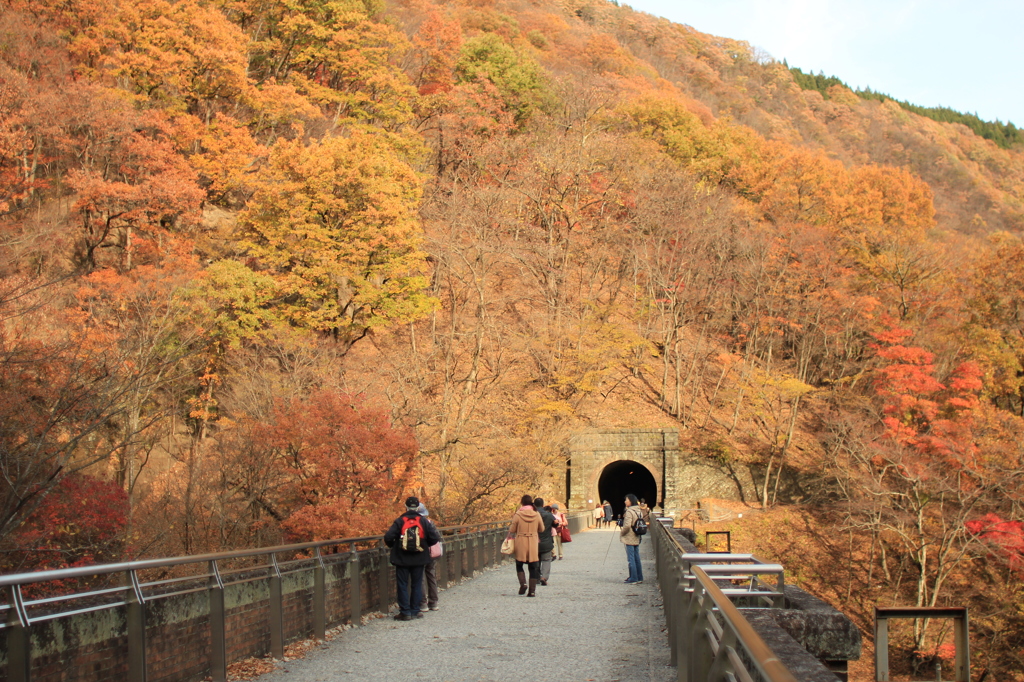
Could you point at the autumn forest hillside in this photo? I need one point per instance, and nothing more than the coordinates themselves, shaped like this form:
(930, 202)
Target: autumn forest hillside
(267, 265)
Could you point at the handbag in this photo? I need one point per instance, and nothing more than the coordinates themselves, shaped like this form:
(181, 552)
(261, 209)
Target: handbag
(566, 537)
(508, 546)
(436, 550)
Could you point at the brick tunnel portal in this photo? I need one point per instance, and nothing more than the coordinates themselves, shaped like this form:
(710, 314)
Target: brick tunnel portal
(623, 477)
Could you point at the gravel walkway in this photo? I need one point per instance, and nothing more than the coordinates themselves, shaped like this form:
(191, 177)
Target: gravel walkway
(586, 625)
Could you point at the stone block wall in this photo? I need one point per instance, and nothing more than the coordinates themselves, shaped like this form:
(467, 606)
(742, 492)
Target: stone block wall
(592, 450)
(682, 478)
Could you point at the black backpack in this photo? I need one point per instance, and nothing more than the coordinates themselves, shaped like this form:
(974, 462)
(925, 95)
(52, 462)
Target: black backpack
(412, 534)
(640, 526)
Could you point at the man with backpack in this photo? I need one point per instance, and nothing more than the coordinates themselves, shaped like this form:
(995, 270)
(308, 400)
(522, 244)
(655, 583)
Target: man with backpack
(633, 528)
(410, 539)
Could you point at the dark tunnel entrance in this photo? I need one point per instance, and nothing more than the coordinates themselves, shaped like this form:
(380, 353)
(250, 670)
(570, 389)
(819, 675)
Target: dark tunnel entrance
(623, 477)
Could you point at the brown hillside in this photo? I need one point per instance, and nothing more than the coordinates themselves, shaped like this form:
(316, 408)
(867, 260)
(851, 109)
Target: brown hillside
(266, 267)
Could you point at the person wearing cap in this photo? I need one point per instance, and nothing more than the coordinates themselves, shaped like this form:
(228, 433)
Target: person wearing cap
(430, 571)
(560, 521)
(410, 564)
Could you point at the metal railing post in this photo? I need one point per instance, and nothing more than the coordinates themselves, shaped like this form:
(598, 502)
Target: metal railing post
(136, 623)
(218, 637)
(780, 587)
(442, 574)
(881, 648)
(721, 666)
(703, 656)
(355, 587)
(457, 559)
(961, 636)
(276, 610)
(383, 576)
(19, 639)
(681, 614)
(319, 596)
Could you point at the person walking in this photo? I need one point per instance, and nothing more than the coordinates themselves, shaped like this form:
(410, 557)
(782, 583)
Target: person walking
(598, 515)
(525, 530)
(609, 513)
(410, 538)
(546, 542)
(631, 540)
(430, 570)
(560, 522)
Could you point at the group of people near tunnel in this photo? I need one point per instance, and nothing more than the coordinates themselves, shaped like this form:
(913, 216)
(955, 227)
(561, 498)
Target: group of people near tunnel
(535, 532)
(604, 513)
(530, 532)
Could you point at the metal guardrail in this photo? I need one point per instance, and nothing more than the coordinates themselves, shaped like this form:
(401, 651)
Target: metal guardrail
(467, 548)
(709, 638)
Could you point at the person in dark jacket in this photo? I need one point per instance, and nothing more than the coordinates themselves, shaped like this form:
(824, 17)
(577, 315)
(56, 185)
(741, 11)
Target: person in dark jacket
(410, 563)
(546, 543)
(609, 513)
(430, 571)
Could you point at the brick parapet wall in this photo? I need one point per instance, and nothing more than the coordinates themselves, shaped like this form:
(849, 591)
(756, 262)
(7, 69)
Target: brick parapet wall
(93, 646)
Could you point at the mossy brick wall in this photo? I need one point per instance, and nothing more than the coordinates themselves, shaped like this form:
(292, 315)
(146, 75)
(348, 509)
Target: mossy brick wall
(178, 638)
(93, 647)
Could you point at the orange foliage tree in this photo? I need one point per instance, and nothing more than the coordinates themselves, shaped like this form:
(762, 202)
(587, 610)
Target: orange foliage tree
(82, 521)
(323, 466)
(934, 465)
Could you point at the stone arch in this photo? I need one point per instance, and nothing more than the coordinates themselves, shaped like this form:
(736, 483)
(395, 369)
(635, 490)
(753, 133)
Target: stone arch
(592, 452)
(623, 476)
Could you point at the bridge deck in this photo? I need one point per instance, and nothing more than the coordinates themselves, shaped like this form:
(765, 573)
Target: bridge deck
(585, 625)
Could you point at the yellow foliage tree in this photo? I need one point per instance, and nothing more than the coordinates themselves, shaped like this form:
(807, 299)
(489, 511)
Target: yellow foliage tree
(336, 223)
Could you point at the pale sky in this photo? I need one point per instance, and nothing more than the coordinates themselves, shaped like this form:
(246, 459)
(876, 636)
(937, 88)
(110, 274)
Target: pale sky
(968, 56)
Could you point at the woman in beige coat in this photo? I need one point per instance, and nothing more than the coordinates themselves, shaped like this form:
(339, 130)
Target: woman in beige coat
(525, 529)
